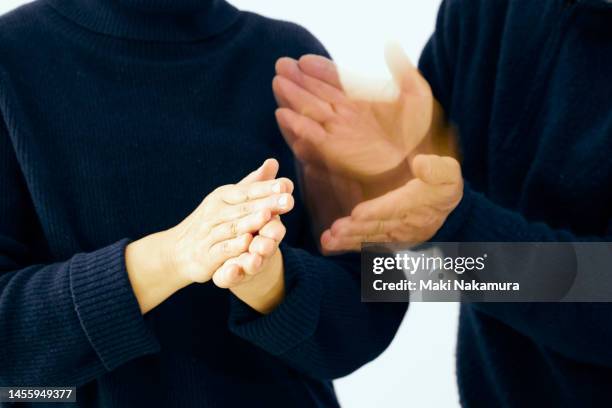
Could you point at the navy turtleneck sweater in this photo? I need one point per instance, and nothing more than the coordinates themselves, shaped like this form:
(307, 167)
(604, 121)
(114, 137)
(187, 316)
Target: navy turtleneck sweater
(527, 83)
(116, 118)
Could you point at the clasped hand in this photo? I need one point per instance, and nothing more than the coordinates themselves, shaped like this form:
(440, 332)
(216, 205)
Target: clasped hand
(235, 231)
(232, 238)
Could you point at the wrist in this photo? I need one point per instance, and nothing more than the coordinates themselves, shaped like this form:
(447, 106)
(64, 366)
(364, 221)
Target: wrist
(265, 291)
(151, 271)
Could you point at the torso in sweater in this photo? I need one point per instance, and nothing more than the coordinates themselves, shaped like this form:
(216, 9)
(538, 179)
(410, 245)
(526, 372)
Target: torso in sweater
(527, 84)
(117, 138)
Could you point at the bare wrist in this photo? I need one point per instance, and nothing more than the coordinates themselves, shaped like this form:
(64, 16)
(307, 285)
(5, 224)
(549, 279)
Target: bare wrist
(150, 270)
(267, 289)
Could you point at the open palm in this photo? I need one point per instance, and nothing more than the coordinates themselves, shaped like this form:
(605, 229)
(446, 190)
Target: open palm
(343, 129)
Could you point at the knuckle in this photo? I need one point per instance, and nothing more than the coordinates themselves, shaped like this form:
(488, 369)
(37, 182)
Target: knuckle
(221, 190)
(261, 217)
(282, 231)
(333, 126)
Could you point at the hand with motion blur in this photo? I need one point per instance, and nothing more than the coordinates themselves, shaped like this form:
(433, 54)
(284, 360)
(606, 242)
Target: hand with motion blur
(411, 214)
(387, 164)
(361, 136)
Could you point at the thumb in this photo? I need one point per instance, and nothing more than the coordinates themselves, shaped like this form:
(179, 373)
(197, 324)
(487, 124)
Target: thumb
(267, 171)
(436, 170)
(403, 71)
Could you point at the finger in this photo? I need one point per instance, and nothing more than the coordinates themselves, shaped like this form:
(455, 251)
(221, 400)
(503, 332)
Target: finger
(274, 230)
(228, 275)
(304, 136)
(222, 251)
(250, 224)
(289, 68)
(390, 205)
(436, 170)
(302, 101)
(321, 68)
(284, 65)
(285, 126)
(247, 192)
(263, 246)
(404, 73)
(250, 263)
(416, 202)
(349, 226)
(267, 171)
(330, 243)
(277, 204)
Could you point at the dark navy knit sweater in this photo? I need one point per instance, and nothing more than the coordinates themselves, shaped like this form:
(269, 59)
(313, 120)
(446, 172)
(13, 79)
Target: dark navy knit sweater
(117, 117)
(528, 84)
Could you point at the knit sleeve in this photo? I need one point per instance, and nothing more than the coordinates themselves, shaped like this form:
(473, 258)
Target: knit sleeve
(321, 328)
(438, 59)
(62, 323)
(581, 331)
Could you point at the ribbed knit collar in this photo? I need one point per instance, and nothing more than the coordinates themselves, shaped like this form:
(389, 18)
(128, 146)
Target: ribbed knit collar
(150, 20)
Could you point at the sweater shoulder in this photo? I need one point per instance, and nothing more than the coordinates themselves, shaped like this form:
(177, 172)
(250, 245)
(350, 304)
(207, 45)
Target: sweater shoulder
(471, 18)
(20, 23)
(22, 30)
(283, 36)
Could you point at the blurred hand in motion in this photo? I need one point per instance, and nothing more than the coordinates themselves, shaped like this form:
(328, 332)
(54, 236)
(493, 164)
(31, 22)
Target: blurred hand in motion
(355, 146)
(360, 137)
(410, 214)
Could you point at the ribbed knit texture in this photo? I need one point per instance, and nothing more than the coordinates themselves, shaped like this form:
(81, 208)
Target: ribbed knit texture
(527, 84)
(304, 286)
(105, 304)
(117, 117)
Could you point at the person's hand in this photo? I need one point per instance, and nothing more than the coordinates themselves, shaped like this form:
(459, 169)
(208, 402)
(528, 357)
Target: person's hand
(221, 228)
(257, 275)
(224, 225)
(410, 214)
(360, 138)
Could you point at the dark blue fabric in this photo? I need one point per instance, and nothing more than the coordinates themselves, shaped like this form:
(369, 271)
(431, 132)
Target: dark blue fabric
(116, 120)
(528, 86)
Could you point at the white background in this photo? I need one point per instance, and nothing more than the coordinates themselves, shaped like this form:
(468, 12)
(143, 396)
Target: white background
(418, 369)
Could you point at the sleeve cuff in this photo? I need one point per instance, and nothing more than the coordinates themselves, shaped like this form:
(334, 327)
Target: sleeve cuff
(295, 319)
(451, 230)
(107, 307)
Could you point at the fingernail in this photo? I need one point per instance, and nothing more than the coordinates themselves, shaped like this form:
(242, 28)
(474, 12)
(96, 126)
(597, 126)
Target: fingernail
(283, 201)
(277, 188)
